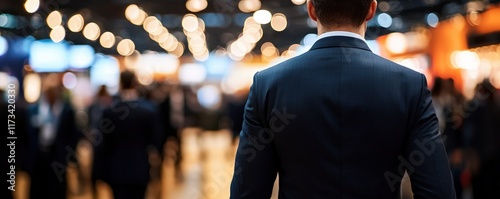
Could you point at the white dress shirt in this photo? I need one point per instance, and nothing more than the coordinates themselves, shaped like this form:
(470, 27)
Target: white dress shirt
(49, 121)
(341, 33)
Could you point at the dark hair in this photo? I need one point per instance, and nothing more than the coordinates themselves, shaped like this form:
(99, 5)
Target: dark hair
(103, 91)
(127, 80)
(437, 89)
(486, 91)
(342, 12)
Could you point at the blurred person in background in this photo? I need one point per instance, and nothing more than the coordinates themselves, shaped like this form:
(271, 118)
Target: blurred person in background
(235, 109)
(160, 95)
(339, 121)
(101, 102)
(482, 127)
(438, 102)
(53, 138)
(132, 138)
(192, 108)
(450, 104)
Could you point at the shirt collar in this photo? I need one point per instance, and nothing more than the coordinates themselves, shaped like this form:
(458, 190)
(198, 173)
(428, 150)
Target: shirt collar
(341, 33)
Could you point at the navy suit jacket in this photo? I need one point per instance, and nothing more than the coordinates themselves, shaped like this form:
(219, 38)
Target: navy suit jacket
(129, 130)
(340, 122)
(67, 137)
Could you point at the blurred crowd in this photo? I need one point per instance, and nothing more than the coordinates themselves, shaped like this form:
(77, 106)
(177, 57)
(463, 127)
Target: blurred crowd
(471, 131)
(129, 131)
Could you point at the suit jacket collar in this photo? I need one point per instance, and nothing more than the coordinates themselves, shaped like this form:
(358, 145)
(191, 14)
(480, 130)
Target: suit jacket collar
(340, 41)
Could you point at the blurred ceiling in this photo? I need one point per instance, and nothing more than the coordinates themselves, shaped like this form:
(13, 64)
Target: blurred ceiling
(224, 15)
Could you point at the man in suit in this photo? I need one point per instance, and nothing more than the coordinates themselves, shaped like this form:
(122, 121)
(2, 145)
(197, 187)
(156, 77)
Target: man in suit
(132, 138)
(53, 137)
(340, 121)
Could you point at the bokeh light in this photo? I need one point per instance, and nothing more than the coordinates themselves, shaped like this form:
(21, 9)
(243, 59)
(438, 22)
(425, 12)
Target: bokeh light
(249, 5)
(432, 20)
(91, 31)
(54, 19)
(32, 87)
(70, 80)
(196, 5)
(279, 22)
(75, 23)
(57, 34)
(31, 6)
(209, 96)
(465, 60)
(262, 16)
(298, 2)
(151, 24)
(192, 74)
(107, 40)
(125, 47)
(396, 43)
(190, 22)
(384, 20)
(4, 45)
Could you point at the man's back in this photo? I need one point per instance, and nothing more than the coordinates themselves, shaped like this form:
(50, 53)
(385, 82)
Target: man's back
(129, 129)
(340, 122)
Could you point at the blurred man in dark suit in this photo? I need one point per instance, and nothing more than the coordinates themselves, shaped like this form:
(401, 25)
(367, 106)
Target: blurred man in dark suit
(132, 136)
(53, 138)
(482, 126)
(340, 121)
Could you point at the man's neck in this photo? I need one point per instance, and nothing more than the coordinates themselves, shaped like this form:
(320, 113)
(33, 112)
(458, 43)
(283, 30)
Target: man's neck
(360, 31)
(129, 95)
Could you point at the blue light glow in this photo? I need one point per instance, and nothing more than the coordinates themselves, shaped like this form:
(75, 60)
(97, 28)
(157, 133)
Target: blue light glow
(4, 46)
(217, 66)
(81, 56)
(105, 71)
(47, 56)
(432, 20)
(209, 96)
(384, 20)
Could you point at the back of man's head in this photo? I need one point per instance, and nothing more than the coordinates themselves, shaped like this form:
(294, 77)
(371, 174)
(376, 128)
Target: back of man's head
(342, 13)
(127, 80)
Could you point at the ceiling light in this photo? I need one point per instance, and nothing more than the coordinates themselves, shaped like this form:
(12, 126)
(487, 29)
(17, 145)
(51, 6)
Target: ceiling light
(190, 22)
(54, 19)
(249, 5)
(262, 16)
(91, 31)
(139, 19)
(132, 12)
(126, 47)
(57, 34)
(75, 23)
(196, 5)
(32, 6)
(107, 40)
(279, 22)
(152, 24)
